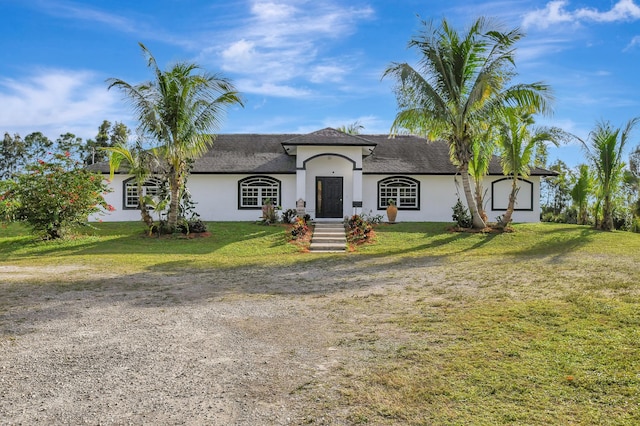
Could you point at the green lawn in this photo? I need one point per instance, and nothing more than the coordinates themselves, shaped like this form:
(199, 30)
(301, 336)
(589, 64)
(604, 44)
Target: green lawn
(539, 326)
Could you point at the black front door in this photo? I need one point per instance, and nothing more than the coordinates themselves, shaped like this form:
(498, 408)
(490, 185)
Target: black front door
(329, 197)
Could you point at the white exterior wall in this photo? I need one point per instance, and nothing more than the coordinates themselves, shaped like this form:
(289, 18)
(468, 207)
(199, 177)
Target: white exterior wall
(438, 195)
(217, 195)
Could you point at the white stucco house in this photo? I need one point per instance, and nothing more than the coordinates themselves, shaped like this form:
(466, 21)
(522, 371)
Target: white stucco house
(334, 174)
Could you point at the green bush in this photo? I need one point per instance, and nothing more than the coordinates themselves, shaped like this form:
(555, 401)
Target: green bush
(52, 196)
(461, 215)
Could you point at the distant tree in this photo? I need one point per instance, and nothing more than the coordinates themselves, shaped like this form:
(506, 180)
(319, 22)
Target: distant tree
(604, 149)
(556, 192)
(16, 153)
(108, 135)
(12, 155)
(38, 145)
(461, 83)
(180, 109)
(580, 193)
(70, 143)
(352, 129)
(517, 143)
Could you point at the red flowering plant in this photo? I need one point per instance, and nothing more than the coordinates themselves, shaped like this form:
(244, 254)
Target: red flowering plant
(52, 196)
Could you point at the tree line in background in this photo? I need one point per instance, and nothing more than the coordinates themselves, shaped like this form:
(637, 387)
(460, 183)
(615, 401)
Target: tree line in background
(603, 192)
(17, 152)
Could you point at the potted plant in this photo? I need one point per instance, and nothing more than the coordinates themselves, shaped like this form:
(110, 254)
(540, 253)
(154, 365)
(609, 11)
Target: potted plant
(392, 210)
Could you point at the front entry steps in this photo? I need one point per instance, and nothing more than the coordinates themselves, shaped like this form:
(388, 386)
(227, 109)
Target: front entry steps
(328, 238)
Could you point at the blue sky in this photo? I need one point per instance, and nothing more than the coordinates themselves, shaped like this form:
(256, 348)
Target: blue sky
(301, 65)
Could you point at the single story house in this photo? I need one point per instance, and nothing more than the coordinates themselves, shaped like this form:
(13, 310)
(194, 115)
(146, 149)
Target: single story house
(332, 175)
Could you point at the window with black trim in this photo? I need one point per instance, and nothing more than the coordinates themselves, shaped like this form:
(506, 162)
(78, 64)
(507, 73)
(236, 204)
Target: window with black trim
(254, 191)
(403, 190)
(151, 187)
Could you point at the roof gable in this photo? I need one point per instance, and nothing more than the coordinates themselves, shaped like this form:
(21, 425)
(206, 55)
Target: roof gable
(329, 137)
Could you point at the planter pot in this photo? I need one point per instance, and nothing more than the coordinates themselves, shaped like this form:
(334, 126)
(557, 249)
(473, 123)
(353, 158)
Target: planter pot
(392, 213)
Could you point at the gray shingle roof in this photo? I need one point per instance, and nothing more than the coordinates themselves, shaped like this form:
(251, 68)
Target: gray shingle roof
(265, 154)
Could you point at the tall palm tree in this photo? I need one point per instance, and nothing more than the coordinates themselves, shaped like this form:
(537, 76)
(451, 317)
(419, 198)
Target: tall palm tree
(580, 193)
(181, 109)
(138, 162)
(517, 144)
(461, 82)
(605, 152)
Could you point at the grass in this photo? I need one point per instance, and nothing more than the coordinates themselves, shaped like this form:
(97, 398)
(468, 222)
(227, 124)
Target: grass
(539, 326)
(125, 247)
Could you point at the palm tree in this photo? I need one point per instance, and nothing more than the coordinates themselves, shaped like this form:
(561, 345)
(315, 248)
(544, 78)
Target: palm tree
(605, 152)
(138, 162)
(580, 193)
(482, 152)
(517, 144)
(180, 109)
(352, 129)
(461, 83)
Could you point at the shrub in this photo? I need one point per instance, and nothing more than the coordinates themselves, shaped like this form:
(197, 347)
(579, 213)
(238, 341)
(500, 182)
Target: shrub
(52, 196)
(300, 228)
(358, 229)
(269, 213)
(192, 226)
(373, 219)
(289, 215)
(461, 215)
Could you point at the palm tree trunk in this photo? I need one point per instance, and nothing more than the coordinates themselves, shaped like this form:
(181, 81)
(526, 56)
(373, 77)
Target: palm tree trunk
(479, 198)
(607, 215)
(506, 218)
(478, 223)
(174, 202)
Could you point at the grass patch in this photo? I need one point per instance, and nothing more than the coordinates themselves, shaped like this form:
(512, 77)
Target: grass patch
(125, 247)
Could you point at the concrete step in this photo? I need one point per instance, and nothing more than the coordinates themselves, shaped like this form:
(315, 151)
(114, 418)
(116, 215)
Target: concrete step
(328, 238)
(327, 247)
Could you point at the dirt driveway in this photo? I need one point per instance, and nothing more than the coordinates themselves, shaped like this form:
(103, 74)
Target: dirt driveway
(252, 346)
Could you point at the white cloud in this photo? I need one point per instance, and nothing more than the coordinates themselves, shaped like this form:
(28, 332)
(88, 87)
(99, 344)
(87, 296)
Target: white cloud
(623, 10)
(142, 27)
(327, 73)
(271, 89)
(556, 12)
(282, 43)
(635, 42)
(55, 102)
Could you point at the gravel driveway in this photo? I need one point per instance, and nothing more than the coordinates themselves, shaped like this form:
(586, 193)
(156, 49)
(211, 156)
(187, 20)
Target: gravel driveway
(224, 347)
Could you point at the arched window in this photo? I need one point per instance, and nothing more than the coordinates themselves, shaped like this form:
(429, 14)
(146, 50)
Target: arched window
(152, 187)
(403, 190)
(254, 191)
(501, 189)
